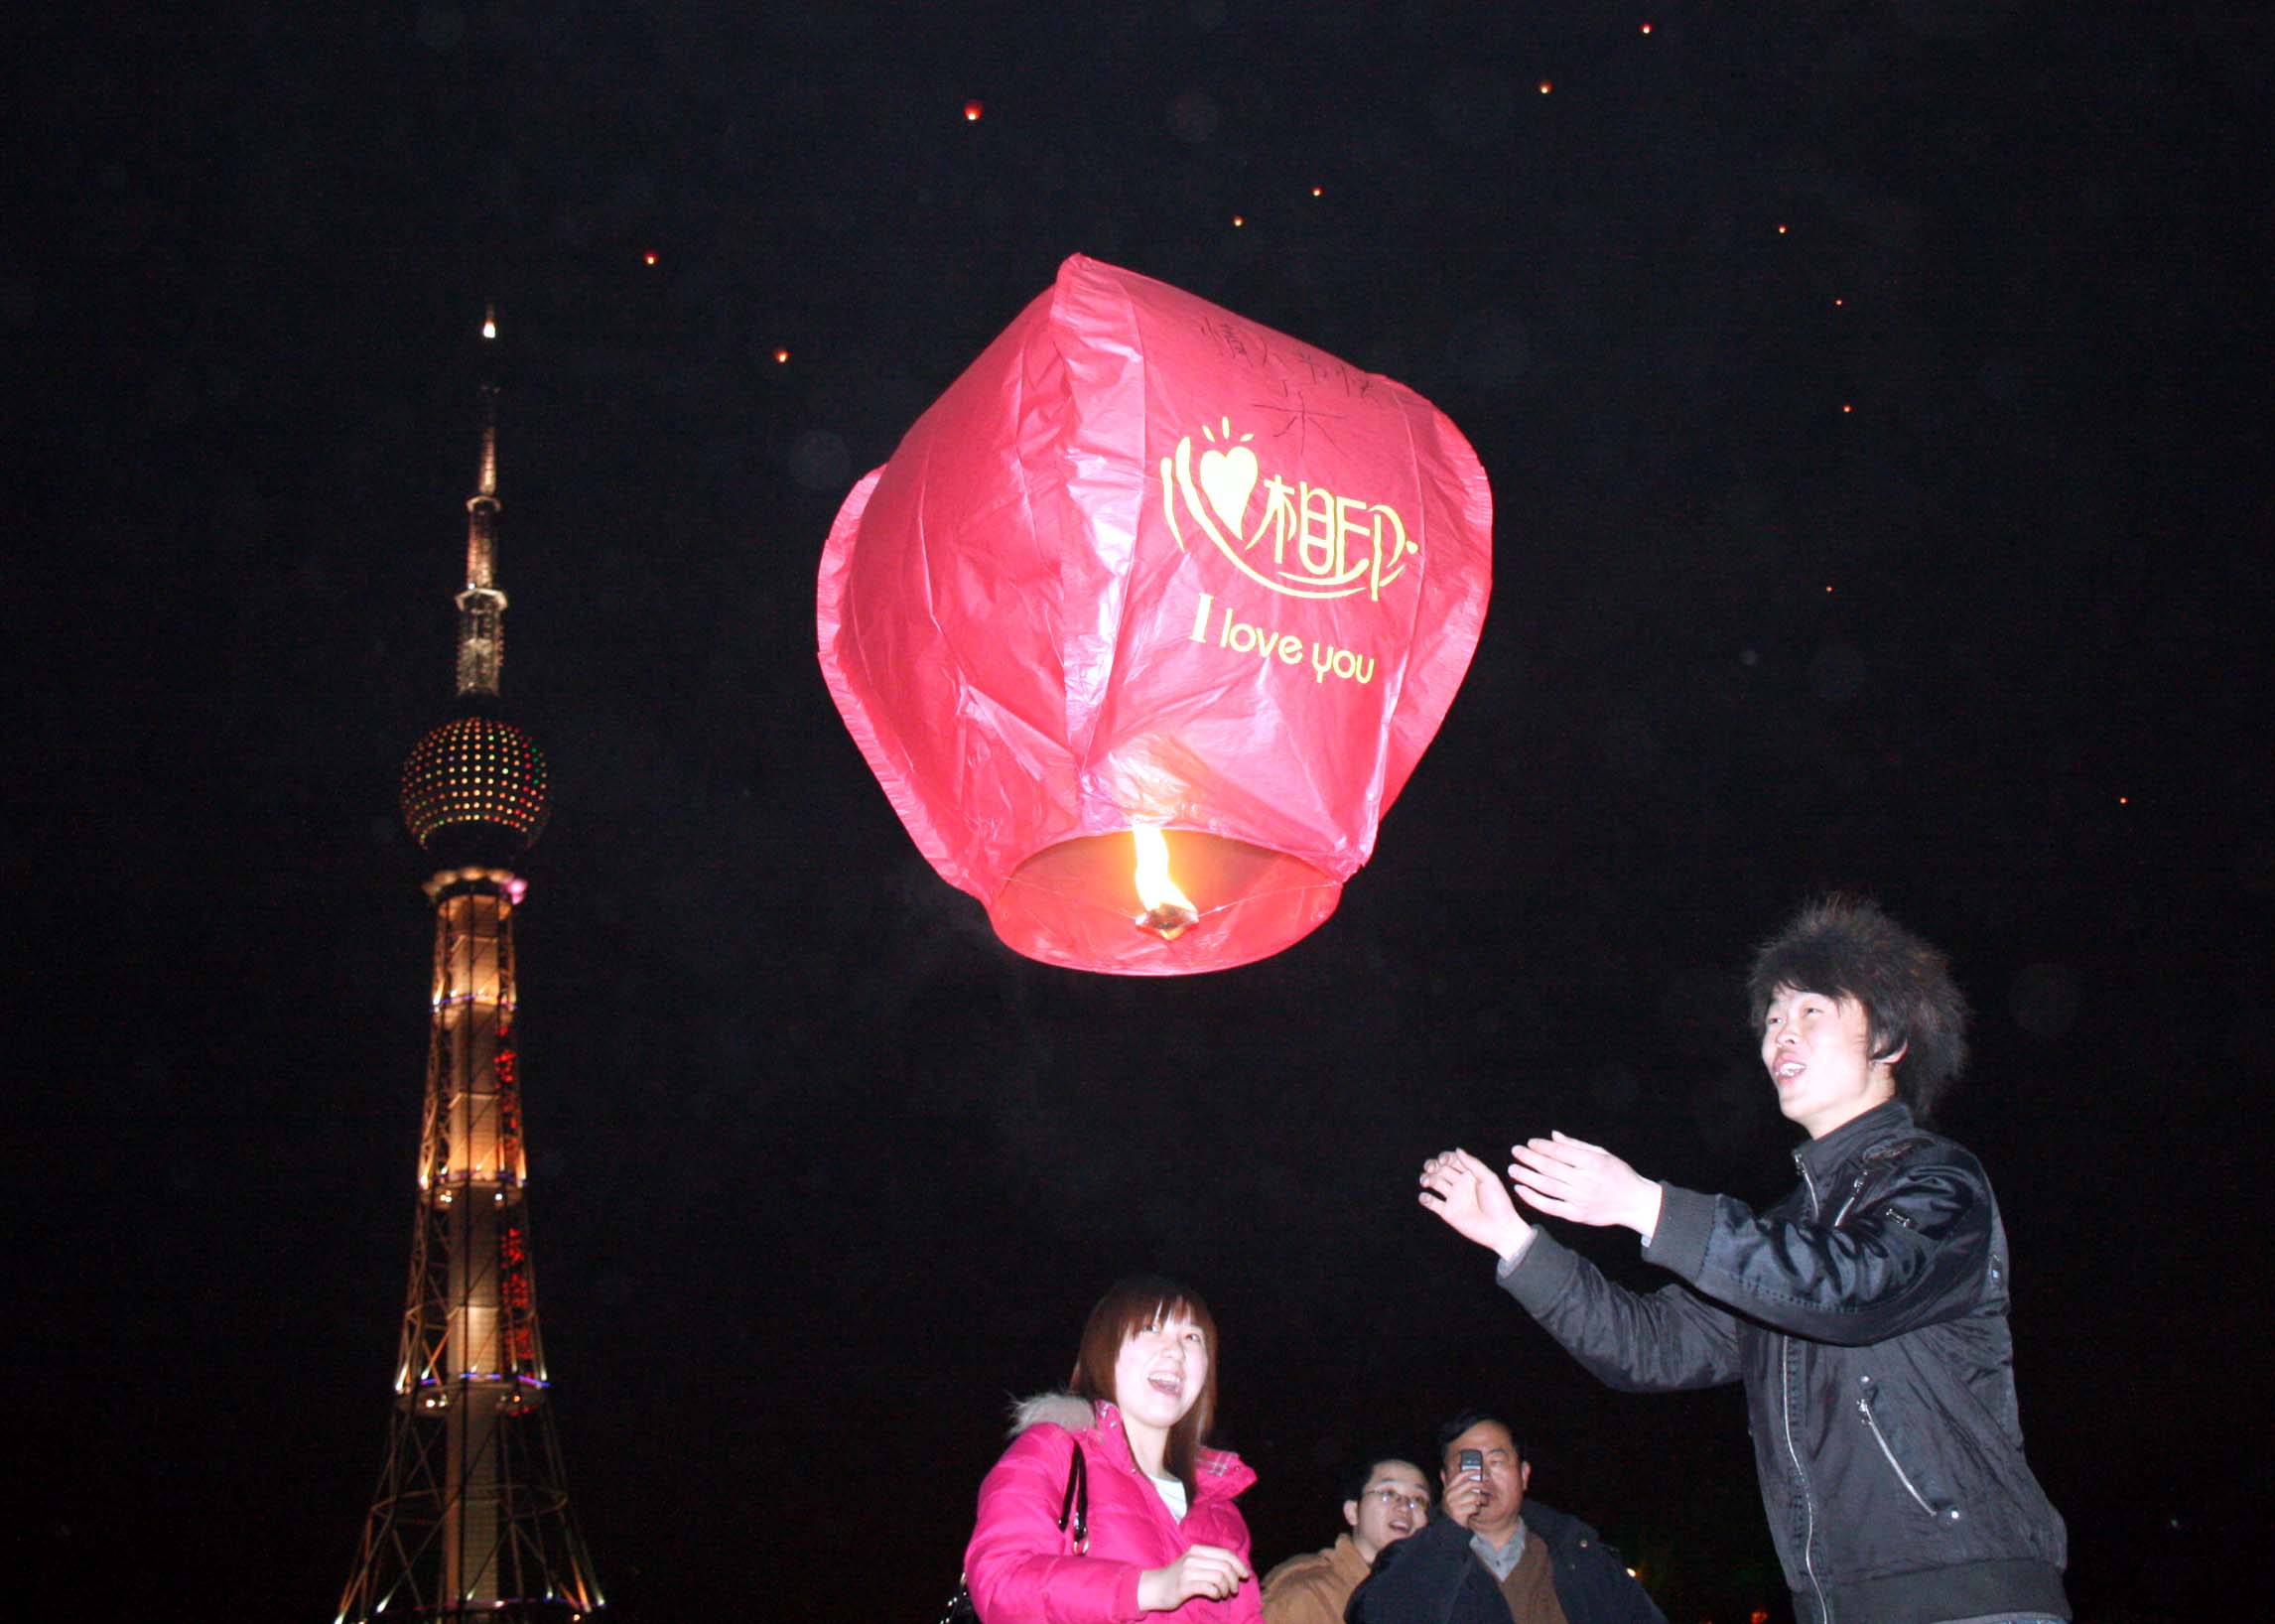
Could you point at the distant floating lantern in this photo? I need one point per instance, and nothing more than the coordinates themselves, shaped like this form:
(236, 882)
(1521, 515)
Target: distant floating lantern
(649, 257)
(1546, 85)
(781, 357)
(972, 111)
(1153, 588)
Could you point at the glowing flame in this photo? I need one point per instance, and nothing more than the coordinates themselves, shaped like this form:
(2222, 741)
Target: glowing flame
(1170, 913)
(489, 323)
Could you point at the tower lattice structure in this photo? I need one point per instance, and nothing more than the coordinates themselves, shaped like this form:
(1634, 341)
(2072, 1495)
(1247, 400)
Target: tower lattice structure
(472, 1516)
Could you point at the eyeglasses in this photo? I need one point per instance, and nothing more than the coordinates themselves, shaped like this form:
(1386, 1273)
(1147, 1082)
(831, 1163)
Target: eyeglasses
(1391, 1499)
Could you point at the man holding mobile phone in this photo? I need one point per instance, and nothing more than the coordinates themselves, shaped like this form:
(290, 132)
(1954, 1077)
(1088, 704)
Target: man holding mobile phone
(1494, 1557)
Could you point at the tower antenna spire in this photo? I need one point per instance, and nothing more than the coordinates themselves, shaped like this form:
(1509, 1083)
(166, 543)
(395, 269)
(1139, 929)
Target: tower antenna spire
(481, 606)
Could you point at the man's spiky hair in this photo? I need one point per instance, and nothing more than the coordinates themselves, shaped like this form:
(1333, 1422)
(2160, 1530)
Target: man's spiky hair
(1845, 947)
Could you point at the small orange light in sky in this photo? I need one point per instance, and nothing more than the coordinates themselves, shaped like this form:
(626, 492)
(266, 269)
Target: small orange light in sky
(1647, 28)
(1839, 302)
(1239, 221)
(1828, 586)
(1318, 192)
(650, 257)
(972, 111)
(1546, 85)
(781, 357)
(1845, 407)
(2123, 800)
(1781, 230)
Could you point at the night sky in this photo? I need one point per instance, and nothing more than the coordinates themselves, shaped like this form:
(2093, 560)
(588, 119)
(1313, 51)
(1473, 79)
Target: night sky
(1874, 400)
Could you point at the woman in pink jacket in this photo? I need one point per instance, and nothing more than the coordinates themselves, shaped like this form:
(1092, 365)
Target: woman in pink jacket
(1164, 1535)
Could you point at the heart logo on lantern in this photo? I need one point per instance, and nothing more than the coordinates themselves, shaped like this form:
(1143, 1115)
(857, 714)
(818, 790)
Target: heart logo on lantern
(1227, 478)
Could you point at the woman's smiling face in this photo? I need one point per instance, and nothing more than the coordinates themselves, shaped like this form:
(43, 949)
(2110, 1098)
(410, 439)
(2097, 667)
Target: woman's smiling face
(1160, 1372)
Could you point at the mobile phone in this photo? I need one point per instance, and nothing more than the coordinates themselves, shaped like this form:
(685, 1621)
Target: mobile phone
(1471, 1461)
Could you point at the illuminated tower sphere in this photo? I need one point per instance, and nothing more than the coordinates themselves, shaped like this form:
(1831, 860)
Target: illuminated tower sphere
(471, 1517)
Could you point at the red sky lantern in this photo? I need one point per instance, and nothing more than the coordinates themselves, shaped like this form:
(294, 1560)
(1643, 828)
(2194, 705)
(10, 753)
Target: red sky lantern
(1150, 581)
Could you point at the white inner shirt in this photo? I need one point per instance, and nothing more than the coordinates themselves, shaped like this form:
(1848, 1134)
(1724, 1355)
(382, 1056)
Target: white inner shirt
(1172, 1494)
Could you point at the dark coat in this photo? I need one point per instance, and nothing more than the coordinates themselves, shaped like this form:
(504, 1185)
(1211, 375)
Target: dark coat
(1866, 1314)
(1435, 1577)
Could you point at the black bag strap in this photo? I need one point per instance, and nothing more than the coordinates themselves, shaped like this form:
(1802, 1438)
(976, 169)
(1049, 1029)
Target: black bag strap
(1076, 1503)
(1075, 1508)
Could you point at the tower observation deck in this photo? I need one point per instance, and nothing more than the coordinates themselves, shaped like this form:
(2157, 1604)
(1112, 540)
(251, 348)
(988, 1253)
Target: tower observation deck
(472, 1517)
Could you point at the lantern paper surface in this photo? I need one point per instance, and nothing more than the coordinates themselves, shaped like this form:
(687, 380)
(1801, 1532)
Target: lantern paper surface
(1148, 563)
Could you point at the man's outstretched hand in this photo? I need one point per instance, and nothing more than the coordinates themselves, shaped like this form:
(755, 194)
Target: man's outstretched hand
(1463, 1192)
(1571, 1179)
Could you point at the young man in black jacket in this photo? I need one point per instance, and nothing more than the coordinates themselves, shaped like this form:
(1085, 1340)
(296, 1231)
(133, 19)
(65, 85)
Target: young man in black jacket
(1866, 1314)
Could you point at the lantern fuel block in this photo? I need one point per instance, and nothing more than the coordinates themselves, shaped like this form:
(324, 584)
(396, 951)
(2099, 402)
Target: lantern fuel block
(1147, 566)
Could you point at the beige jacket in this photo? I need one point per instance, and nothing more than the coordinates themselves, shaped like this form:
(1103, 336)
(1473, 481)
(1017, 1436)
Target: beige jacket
(1314, 1589)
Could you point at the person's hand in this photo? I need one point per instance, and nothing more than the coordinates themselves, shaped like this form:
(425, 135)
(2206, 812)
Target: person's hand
(1570, 1178)
(1203, 1570)
(1463, 1192)
(1465, 1496)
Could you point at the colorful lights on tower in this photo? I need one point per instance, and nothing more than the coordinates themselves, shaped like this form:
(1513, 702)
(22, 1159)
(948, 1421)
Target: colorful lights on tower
(480, 770)
(472, 1517)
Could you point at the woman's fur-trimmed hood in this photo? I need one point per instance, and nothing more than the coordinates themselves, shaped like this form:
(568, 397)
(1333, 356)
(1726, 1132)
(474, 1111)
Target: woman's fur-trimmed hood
(1061, 1408)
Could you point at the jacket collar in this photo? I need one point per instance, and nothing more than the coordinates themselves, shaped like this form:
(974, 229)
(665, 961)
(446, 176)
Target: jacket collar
(1343, 1561)
(1819, 1158)
(1218, 1474)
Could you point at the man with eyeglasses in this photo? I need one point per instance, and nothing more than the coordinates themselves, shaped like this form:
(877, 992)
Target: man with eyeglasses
(1389, 1500)
(1494, 1557)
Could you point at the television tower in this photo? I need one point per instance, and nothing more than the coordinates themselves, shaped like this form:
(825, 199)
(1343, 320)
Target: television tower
(472, 1516)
